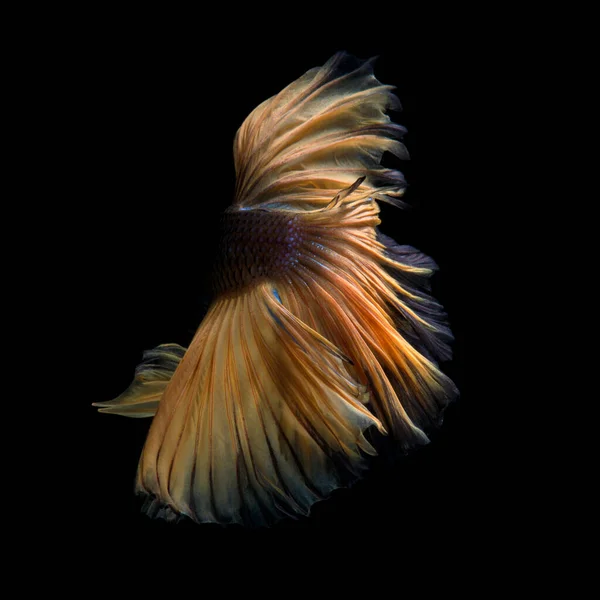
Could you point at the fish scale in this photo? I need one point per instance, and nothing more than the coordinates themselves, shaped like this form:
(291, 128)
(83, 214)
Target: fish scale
(255, 245)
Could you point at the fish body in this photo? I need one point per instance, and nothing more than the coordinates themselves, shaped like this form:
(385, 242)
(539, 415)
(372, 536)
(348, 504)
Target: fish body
(321, 327)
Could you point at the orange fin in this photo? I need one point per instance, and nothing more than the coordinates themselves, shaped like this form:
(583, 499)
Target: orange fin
(152, 375)
(258, 422)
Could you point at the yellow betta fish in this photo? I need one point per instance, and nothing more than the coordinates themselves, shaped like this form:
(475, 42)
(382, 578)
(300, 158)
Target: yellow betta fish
(321, 326)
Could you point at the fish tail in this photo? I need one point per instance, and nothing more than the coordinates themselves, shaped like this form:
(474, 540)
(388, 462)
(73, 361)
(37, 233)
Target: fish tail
(261, 419)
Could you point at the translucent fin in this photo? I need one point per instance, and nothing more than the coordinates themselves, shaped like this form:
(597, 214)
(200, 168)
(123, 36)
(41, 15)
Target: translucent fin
(417, 306)
(152, 375)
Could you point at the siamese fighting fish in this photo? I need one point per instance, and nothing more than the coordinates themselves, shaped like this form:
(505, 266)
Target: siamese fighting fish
(320, 329)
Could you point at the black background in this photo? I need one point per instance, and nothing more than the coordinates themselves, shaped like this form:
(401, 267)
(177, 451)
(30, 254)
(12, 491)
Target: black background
(148, 113)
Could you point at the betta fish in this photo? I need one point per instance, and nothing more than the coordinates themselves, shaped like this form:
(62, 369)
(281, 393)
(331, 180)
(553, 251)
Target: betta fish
(320, 329)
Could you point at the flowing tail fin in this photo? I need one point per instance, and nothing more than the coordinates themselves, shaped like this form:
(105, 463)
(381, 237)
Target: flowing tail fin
(261, 419)
(322, 326)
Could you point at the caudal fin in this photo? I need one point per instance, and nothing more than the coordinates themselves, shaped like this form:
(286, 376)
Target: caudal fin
(262, 418)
